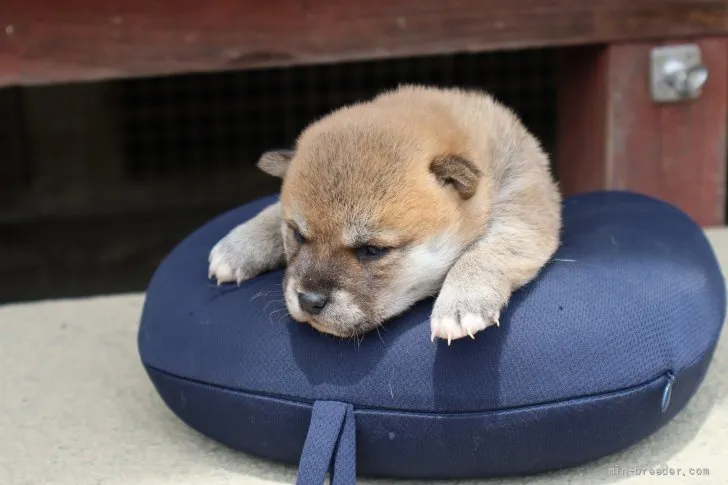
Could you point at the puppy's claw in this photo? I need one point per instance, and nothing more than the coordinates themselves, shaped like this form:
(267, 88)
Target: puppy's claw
(212, 268)
(222, 271)
(432, 337)
(466, 324)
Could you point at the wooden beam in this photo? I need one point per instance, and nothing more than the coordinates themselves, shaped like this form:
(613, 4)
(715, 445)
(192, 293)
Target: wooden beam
(613, 136)
(64, 40)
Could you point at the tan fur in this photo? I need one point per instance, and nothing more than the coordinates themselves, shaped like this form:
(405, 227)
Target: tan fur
(450, 179)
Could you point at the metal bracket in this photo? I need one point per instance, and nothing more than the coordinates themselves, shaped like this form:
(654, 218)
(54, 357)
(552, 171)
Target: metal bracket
(676, 73)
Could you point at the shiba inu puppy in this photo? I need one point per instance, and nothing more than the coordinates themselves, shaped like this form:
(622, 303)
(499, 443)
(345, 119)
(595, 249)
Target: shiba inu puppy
(415, 193)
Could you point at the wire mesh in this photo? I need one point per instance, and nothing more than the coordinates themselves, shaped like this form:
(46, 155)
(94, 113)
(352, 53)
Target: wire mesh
(99, 180)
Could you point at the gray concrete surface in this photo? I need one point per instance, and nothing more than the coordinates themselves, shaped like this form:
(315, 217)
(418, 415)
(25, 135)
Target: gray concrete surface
(76, 408)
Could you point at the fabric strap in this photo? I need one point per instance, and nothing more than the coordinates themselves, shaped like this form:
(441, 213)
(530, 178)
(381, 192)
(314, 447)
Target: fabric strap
(330, 445)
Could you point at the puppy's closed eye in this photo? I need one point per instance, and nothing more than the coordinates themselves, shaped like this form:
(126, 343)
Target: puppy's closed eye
(370, 252)
(300, 239)
(296, 232)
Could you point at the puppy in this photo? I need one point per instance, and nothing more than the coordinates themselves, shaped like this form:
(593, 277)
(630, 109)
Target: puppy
(416, 192)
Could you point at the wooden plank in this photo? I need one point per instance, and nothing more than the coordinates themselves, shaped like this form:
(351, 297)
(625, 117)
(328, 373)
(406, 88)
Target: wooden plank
(59, 40)
(613, 136)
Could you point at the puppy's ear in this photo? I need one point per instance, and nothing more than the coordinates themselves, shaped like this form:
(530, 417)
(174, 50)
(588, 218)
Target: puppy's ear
(275, 162)
(457, 171)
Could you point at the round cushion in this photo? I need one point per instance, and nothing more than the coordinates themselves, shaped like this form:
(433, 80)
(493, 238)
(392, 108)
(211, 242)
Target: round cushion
(604, 347)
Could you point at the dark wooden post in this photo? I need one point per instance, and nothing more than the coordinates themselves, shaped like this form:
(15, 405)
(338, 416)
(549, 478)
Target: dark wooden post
(612, 135)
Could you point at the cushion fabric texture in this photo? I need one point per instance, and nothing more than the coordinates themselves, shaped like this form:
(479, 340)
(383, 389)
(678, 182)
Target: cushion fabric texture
(603, 348)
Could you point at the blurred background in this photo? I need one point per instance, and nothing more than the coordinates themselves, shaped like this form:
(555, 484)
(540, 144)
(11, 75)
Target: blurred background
(99, 180)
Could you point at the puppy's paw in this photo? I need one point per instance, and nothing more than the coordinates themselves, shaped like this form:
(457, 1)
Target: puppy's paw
(243, 254)
(230, 262)
(464, 313)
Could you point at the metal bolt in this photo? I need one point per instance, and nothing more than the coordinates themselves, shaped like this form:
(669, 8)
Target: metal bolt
(686, 81)
(676, 73)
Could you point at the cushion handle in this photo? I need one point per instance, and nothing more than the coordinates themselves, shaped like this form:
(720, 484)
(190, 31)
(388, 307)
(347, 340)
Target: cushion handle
(330, 445)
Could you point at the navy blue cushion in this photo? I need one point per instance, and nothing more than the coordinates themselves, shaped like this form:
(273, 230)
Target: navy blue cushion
(602, 349)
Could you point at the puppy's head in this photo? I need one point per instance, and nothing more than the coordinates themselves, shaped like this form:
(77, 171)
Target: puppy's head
(373, 217)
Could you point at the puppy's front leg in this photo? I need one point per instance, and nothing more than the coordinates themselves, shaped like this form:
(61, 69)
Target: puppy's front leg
(520, 240)
(250, 249)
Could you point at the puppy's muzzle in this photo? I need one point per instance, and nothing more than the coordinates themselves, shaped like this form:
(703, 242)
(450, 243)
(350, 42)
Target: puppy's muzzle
(312, 302)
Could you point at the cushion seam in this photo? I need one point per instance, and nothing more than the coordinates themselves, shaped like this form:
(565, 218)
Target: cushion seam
(309, 402)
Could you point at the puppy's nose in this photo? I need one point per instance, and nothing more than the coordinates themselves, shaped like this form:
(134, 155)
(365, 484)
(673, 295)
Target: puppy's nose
(311, 302)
